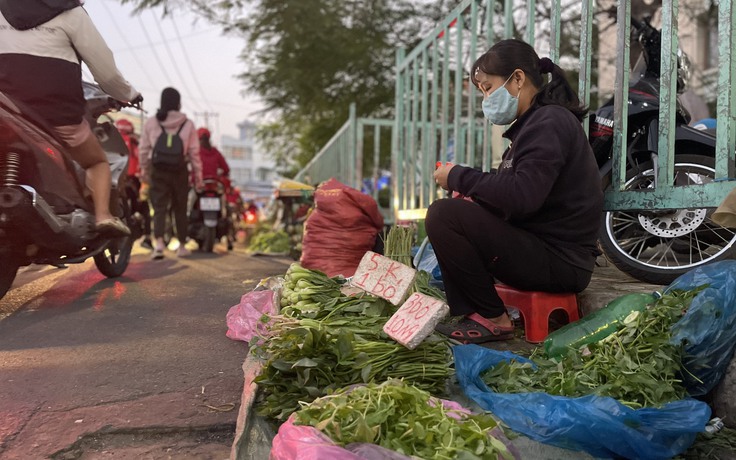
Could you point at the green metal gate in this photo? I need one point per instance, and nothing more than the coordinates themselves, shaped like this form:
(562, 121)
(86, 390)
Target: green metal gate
(357, 154)
(437, 116)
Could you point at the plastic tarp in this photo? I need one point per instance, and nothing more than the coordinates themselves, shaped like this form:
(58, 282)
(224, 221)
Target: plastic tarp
(709, 326)
(601, 426)
(604, 427)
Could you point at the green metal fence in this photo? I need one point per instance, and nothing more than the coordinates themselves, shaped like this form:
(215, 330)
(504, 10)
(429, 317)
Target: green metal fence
(437, 110)
(358, 155)
(438, 117)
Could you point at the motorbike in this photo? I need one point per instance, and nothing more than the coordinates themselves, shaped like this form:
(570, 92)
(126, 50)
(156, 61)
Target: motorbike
(209, 217)
(657, 246)
(46, 211)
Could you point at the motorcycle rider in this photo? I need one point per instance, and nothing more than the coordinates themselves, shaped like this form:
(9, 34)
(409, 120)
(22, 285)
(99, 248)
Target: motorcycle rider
(42, 44)
(214, 165)
(139, 206)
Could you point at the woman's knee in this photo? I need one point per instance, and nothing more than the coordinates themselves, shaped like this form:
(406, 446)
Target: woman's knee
(436, 218)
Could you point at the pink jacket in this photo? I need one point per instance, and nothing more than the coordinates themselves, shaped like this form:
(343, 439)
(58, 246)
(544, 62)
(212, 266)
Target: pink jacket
(188, 134)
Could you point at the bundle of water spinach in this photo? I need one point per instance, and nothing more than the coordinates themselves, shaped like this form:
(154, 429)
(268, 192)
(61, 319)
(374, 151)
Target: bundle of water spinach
(324, 341)
(405, 419)
(637, 365)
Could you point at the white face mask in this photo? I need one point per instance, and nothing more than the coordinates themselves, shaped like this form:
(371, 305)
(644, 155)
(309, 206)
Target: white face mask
(500, 107)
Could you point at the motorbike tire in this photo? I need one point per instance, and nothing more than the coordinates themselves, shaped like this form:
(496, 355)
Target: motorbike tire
(7, 276)
(113, 260)
(210, 234)
(658, 246)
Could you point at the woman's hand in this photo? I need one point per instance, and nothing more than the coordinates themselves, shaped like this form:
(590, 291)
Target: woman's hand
(441, 173)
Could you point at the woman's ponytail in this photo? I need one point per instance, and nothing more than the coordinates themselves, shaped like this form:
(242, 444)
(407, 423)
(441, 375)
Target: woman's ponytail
(558, 91)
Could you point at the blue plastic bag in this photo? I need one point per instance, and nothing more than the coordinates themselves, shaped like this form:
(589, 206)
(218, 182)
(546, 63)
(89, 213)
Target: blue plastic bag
(601, 426)
(425, 259)
(709, 326)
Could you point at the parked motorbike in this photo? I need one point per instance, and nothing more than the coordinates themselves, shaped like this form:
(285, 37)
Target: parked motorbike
(659, 245)
(46, 211)
(209, 220)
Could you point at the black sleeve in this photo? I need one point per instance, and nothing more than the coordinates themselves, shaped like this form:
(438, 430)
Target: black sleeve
(537, 156)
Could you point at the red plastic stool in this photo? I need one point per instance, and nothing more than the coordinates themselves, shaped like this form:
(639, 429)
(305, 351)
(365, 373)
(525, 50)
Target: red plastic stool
(536, 307)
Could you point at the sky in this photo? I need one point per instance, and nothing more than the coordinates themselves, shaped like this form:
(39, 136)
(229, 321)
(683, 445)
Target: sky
(204, 65)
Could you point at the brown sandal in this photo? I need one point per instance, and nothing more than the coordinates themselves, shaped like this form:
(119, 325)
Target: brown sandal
(474, 328)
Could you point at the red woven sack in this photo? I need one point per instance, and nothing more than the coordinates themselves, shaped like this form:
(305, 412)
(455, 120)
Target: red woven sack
(341, 228)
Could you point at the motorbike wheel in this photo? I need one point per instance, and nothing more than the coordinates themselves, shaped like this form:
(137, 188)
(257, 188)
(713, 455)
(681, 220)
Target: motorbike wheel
(658, 246)
(210, 234)
(7, 276)
(113, 260)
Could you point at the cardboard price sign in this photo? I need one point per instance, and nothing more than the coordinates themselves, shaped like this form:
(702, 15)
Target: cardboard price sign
(415, 320)
(383, 277)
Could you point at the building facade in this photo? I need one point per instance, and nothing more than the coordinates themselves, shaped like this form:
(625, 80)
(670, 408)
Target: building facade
(250, 168)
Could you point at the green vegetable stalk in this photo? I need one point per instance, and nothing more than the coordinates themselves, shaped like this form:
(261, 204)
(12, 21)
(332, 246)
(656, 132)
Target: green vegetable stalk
(305, 359)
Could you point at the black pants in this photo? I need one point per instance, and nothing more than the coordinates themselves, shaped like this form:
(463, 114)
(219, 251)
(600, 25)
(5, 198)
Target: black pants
(170, 188)
(133, 189)
(475, 247)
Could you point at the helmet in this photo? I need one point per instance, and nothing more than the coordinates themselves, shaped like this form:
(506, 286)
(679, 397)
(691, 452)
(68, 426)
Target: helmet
(124, 126)
(203, 132)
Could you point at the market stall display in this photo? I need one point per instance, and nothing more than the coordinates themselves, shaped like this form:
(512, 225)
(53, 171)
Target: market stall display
(621, 388)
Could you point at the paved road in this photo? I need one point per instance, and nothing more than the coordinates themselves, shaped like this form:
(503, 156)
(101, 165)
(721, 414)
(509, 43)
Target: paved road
(134, 367)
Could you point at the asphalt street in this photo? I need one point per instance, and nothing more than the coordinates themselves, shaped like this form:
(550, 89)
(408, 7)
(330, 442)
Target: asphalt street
(133, 367)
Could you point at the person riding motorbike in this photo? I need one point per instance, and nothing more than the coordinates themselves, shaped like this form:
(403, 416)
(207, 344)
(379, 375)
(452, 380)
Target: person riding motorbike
(127, 131)
(42, 45)
(214, 165)
(215, 170)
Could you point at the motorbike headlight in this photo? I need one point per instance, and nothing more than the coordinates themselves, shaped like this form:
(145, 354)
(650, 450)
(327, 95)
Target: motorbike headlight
(683, 71)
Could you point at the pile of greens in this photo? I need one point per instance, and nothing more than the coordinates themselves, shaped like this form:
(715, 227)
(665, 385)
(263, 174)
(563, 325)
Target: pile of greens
(404, 419)
(331, 341)
(637, 365)
(270, 242)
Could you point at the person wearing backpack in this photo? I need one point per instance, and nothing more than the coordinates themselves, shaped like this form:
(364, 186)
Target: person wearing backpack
(169, 148)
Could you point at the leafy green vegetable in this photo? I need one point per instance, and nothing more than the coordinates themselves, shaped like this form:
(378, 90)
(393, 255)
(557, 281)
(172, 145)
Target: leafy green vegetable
(405, 419)
(270, 242)
(715, 446)
(324, 340)
(637, 365)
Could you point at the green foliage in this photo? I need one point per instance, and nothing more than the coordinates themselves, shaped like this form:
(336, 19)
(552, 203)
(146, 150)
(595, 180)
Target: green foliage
(309, 59)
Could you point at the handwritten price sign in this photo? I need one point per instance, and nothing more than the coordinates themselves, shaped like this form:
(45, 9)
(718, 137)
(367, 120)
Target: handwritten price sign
(383, 277)
(415, 320)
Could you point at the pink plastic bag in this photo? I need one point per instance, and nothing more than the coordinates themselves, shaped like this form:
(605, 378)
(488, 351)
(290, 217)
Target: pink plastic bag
(300, 442)
(244, 320)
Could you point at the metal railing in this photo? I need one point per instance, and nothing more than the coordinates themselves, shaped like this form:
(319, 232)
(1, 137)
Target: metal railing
(358, 155)
(437, 116)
